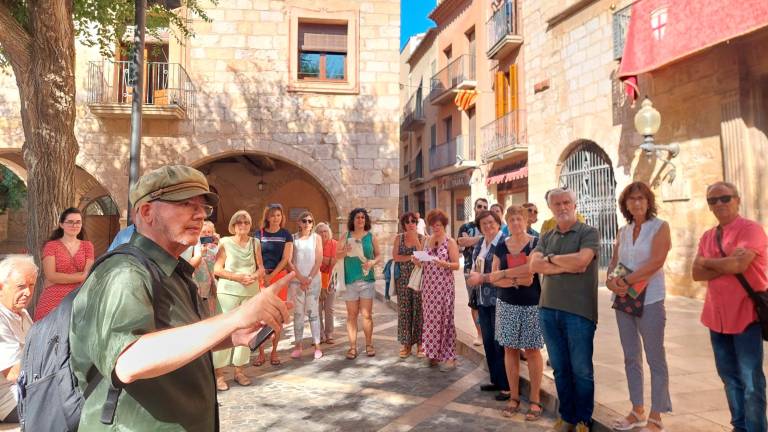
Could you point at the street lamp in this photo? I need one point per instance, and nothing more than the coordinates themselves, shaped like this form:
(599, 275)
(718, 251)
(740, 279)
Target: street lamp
(647, 123)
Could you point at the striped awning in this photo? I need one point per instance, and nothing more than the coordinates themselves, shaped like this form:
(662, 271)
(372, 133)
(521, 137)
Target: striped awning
(517, 174)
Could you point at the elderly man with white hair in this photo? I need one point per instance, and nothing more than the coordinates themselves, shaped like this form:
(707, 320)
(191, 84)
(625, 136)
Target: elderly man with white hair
(566, 256)
(18, 274)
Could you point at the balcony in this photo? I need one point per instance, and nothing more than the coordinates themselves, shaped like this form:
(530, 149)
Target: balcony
(417, 170)
(501, 138)
(413, 113)
(168, 91)
(503, 37)
(458, 75)
(456, 155)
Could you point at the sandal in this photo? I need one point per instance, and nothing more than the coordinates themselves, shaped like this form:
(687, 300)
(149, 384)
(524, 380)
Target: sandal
(370, 351)
(274, 359)
(509, 410)
(405, 352)
(221, 383)
(656, 423)
(532, 414)
(352, 353)
(242, 379)
(624, 424)
(260, 360)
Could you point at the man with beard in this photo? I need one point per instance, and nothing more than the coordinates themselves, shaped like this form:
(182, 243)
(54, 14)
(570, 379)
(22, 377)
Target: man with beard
(150, 344)
(567, 256)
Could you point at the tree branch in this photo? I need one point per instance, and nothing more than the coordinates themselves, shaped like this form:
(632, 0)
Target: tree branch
(16, 42)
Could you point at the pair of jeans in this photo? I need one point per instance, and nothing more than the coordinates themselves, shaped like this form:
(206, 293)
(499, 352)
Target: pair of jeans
(739, 362)
(569, 338)
(494, 353)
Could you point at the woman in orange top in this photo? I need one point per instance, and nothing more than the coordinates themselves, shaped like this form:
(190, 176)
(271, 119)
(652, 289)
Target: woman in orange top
(67, 259)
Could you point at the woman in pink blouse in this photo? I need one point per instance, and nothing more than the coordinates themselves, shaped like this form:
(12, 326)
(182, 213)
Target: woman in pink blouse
(67, 259)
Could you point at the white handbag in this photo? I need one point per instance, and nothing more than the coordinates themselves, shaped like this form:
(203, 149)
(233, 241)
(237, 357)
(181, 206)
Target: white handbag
(414, 282)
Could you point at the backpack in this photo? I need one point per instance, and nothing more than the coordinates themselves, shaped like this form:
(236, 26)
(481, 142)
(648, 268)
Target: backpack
(49, 397)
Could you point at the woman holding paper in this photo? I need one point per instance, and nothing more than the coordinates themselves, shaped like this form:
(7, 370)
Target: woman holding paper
(636, 273)
(438, 292)
(361, 253)
(409, 317)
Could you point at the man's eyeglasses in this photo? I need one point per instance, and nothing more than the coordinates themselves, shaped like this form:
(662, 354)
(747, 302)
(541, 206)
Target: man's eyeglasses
(189, 205)
(725, 199)
(307, 221)
(73, 223)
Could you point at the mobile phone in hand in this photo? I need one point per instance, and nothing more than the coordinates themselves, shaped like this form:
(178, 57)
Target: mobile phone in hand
(206, 240)
(260, 337)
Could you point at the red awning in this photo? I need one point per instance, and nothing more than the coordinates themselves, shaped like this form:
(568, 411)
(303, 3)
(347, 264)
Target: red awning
(508, 177)
(662, 31)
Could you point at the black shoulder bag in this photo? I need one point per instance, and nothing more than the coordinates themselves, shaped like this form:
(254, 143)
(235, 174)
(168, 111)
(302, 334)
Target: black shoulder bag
(760, 299)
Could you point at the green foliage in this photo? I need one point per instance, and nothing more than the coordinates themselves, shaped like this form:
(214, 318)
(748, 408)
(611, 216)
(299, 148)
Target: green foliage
(13, 192)
(103, 23)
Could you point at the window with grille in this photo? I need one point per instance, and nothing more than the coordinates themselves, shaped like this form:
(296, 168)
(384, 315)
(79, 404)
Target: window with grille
(322, 52)
(620, 24)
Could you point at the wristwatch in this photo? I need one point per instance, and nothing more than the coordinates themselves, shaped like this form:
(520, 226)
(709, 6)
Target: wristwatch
(549, 258)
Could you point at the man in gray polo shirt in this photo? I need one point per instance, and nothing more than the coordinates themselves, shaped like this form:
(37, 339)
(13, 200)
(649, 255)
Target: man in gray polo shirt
(567, 258)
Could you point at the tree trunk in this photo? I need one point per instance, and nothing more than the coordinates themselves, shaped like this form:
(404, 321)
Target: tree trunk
(47, 90)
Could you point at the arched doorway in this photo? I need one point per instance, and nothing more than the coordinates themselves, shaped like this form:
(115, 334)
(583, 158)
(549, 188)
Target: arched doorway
(250, 181)
(588, 171)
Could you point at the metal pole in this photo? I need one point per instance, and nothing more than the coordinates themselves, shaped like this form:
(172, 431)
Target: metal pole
(136, 73)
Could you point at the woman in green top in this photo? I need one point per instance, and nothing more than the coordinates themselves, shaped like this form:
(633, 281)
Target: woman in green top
(239, 269)
(360, 251)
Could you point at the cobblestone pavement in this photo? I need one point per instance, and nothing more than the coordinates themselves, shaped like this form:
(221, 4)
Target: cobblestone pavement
(381, 393)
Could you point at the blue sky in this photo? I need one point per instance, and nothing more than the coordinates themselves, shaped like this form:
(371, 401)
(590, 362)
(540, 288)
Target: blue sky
(413, 18)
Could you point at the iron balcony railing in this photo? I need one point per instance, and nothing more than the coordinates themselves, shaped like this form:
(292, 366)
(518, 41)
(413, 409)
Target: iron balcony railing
(164, 84)
(417, 168)
(501, 136)
(414, 110)
(502, 23)
(448, 78)
(453, 152)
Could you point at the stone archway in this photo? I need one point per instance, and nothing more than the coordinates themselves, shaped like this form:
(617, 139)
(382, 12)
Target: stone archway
(252, 180)
(91, 197)
(587, 169)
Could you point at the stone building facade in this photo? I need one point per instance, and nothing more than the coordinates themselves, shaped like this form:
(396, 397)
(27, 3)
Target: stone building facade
(580, 127)
(462, 124)
(277, 101)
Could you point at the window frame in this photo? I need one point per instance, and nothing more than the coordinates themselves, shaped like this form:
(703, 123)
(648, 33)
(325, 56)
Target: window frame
(350, 18)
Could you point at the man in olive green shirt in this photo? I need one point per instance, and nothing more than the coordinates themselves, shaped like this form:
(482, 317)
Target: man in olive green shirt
(158, 349)
(566, 256)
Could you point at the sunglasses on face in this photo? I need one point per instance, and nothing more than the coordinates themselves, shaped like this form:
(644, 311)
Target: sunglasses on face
(725, 199)
(481, 207)
(242, 222)
(411, 221)
(307, 221)
(534, 211)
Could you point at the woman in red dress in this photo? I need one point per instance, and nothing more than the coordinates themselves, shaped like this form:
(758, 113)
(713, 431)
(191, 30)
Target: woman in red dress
(67, 259)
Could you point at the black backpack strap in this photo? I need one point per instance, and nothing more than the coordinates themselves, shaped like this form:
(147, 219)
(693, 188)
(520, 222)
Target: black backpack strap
(739, 276)
(113, 393)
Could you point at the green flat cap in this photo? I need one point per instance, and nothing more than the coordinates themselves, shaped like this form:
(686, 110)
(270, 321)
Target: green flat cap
(172, 183)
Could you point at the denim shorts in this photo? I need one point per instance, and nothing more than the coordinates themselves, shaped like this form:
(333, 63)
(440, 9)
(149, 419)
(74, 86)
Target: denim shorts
(359, 290)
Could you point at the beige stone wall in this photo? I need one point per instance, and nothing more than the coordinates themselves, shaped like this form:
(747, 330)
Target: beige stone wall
(584, 102)
(239, 65)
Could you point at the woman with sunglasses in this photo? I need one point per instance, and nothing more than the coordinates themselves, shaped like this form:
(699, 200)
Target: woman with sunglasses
(239, 268)
(642, 247)
(327, 282)
(304, 289)
(277, 251)
(361, 253)
(67, 259)
(438, 293)
(409, 317)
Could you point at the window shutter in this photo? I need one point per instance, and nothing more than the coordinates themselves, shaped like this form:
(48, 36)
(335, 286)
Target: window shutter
(504, 94)
(513, 101)
(499, 90)
(323, 37)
